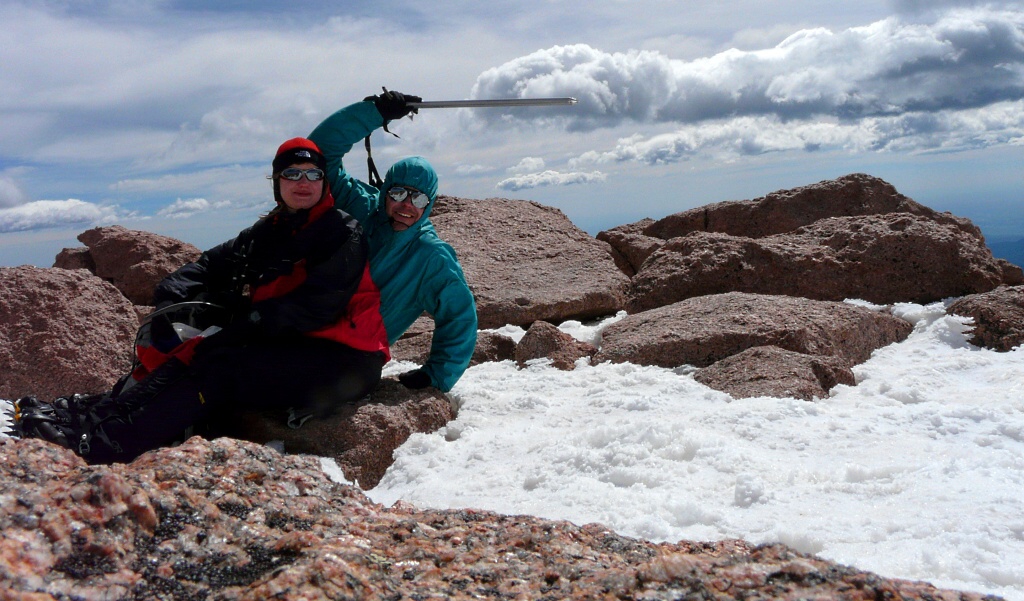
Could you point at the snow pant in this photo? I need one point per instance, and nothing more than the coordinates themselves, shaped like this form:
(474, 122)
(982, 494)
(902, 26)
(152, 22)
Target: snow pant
(310, 375)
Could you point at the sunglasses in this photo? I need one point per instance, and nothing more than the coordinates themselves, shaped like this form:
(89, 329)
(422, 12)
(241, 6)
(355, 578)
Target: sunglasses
(294, 174)
(417, 198)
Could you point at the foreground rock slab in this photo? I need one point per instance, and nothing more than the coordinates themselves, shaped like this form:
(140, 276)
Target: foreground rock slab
(526, 262)
(234, 520)
(61, 332)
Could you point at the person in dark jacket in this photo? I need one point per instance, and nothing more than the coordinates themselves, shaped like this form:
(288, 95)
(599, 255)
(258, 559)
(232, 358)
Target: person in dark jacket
(305, 332)
(416, 270)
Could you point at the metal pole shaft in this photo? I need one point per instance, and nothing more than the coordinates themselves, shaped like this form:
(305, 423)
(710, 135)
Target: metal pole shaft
(447, 104)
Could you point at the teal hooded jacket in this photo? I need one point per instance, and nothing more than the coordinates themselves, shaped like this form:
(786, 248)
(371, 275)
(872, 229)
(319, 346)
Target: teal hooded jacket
(415, 270)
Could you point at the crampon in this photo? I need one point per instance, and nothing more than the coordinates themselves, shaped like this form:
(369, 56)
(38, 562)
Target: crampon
(65, 421)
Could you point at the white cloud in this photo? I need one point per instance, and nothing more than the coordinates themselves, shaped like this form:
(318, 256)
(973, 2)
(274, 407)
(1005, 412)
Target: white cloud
(463, 169)
(1002, 123)
(550, 178)
(528, 165)
(967, 58)
(182, 208)
(42, 214)
(160, 88)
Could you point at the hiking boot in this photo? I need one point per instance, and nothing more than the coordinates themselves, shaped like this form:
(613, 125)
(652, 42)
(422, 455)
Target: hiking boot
(48, 421)
(63, 422)
(79, 404)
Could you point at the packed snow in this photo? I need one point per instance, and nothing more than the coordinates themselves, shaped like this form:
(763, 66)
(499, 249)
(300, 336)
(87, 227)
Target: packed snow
(916, 472)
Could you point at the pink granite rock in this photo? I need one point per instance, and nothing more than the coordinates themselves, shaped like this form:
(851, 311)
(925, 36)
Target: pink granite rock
(361, 437)
(545, 341)
(775, 372)
(75, 258)
(998, 317)
(526, 262)
(235, 520)
(702, 330)
(896, 257)
(776, 213)
(489, 347)
(61, 332)
(134, 261)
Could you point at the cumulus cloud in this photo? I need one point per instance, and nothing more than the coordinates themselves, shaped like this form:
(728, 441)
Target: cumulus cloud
(964, 58)
(185, 207)
(41, 214)
(1002, 123)
(528, 165)
(463, 169)
(550, 178)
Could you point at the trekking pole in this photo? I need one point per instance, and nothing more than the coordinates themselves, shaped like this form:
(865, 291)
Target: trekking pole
(450, 104)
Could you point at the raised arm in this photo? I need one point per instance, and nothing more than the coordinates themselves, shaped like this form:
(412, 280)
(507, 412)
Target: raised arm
(335, 136)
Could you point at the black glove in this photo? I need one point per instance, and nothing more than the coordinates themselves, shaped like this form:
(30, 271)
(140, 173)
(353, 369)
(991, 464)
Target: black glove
(394, 105)
(415, 379)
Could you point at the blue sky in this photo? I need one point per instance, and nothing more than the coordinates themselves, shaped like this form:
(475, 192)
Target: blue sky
(164, 115)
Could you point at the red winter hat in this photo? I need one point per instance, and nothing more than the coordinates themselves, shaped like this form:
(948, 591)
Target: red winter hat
(298, 150)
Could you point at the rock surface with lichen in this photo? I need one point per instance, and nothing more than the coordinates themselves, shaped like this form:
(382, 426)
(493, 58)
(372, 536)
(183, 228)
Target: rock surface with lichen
(235, 520)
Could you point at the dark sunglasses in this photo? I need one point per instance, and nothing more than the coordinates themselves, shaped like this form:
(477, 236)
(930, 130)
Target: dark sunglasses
(417, 198)
(294, 174)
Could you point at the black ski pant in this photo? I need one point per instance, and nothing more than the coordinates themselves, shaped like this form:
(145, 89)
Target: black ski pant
(313, 376)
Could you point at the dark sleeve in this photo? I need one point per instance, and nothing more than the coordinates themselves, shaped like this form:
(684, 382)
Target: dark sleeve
(333, 255)
(453, 307)
(213, 277)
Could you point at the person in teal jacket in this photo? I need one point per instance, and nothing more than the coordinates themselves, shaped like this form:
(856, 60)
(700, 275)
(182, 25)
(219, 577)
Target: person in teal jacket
(414, 268)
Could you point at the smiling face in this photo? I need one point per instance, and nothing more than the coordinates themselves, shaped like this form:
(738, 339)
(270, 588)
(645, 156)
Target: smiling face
(302, 193)
(402, 214)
